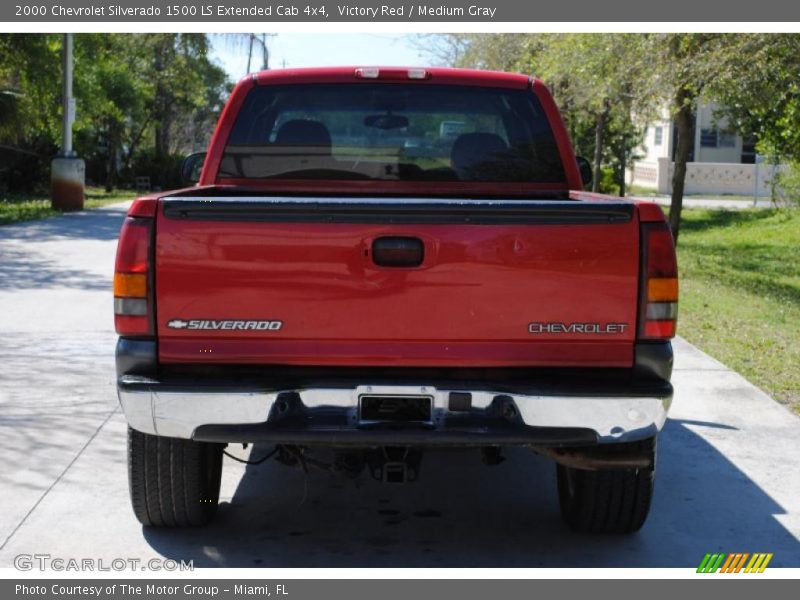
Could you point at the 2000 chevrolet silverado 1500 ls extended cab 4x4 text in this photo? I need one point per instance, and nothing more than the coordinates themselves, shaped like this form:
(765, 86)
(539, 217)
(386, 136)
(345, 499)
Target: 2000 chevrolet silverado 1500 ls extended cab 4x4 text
(379, 261)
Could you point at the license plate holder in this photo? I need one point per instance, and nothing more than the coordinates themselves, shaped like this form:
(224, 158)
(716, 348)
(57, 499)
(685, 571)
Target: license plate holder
(397, 409)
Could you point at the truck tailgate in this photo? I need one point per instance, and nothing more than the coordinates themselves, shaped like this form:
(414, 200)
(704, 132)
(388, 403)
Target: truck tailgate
(294, 281)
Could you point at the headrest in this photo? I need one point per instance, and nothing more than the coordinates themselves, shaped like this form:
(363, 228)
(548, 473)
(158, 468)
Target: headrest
(471, 150)
(303, 132)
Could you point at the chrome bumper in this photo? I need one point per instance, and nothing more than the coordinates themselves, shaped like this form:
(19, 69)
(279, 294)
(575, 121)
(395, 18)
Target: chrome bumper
(166, 411)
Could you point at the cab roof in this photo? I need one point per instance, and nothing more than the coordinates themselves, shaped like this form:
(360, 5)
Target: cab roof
(356, 74)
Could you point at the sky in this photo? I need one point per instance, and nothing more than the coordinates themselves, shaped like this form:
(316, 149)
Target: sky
(315, 50)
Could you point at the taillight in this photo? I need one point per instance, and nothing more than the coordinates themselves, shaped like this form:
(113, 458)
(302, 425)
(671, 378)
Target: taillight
(133, 294)
(659, 296)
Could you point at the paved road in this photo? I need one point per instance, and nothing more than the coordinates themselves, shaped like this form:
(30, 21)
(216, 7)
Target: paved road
(729, 464)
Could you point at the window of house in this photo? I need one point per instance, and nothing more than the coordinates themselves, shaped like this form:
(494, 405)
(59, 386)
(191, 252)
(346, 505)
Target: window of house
(659, 136)
(749, 150)
(726, 140)
(708, 138)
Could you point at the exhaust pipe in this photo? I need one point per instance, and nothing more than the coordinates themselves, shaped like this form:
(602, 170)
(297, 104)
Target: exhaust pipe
(597, 458)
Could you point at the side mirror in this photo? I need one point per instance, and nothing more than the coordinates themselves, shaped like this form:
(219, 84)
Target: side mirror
(585, 168)
(191, 167)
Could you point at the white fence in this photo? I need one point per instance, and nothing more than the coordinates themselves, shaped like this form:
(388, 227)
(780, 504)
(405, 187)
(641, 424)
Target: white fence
(707, 178)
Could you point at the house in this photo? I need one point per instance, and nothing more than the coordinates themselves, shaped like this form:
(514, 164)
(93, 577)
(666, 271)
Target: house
(720, 161)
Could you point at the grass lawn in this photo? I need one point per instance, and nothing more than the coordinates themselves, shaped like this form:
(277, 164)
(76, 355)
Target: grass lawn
(18, 207)
(740, 293)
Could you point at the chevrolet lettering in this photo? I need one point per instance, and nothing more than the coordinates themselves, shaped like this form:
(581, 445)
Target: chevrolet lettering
(577, 327)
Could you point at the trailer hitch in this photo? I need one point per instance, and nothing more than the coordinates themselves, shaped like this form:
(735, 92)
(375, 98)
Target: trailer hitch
(392, 464)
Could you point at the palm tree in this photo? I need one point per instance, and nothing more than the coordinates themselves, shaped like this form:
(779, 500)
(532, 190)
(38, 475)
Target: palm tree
(249, 42)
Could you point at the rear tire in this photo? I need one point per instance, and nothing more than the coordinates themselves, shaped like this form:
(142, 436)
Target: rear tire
(607, 501)
(173, 482)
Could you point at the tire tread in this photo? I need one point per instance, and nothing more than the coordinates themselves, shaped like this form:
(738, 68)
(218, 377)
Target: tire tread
(173, 482)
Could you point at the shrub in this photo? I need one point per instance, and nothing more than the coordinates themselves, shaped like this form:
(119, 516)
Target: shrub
(164, 172)
(608, 181)
(787, 188)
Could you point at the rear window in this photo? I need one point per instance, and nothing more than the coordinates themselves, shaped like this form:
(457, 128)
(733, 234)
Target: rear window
(392, 132)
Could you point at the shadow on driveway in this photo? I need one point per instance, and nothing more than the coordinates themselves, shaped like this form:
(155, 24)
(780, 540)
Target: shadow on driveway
(32, 256)
(21, 269)
(96, 224)
(464, 514)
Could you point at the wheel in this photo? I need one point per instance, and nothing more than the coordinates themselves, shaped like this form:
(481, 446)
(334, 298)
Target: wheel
(609, 501)
(173, 482)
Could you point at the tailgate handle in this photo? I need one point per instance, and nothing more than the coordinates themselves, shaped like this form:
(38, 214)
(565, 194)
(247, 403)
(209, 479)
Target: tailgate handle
(398, 251)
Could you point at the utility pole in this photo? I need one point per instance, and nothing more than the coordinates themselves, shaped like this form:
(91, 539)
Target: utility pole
(67, 171)
(262, 41)
(68, 102)
(250, 53)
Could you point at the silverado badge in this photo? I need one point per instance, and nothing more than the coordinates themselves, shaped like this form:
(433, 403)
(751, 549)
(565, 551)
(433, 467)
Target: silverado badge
(225, 325)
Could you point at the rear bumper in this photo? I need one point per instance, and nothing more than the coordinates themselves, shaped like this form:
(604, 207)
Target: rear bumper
(330, 416)
(320, 406)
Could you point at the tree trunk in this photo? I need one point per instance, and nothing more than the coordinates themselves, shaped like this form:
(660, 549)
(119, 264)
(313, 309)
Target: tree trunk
(158, 104)
(134, 144)
(165, 129)
(622, 157)
(111, 159)
(599, 140)
(162, 100)
(163, 118)
(683, 118)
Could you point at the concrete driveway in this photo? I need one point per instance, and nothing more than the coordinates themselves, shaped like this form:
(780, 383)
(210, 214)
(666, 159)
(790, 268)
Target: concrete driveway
(729, 459)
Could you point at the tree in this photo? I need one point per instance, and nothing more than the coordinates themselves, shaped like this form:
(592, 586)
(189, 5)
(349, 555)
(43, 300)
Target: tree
(141, 99)
(9, 110)
(181, 75)
(29, 89)
(685, 63)
(758, 89)
(29, 79)
(624, 134)
(501, 51)
(135, 87)
(605, 79)
(113, 98)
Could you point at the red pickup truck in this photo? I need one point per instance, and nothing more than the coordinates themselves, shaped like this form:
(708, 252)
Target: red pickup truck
(379, 261)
